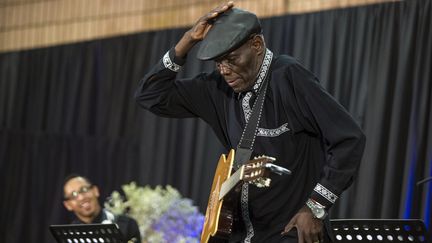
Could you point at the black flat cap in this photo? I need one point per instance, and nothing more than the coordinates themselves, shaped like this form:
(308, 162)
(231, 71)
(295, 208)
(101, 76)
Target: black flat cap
(228, 32)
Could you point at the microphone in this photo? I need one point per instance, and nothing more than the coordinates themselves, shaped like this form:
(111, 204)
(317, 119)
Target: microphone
(424, 181)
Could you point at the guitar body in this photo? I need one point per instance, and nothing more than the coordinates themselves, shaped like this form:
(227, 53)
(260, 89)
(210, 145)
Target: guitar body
(219, 218)
(219, 215)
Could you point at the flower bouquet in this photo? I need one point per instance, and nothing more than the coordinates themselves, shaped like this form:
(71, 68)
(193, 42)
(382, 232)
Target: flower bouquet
(163, 215)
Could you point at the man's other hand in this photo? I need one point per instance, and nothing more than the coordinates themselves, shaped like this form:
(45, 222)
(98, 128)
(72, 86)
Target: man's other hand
(309, 229)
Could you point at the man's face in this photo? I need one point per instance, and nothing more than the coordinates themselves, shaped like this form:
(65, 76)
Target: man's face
(241, 66)
(81, 198)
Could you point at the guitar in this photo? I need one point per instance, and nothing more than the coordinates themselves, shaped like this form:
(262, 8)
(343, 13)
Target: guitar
(219, 214)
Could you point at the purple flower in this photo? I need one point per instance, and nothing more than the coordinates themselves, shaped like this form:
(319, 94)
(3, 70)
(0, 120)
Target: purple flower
(181, 220)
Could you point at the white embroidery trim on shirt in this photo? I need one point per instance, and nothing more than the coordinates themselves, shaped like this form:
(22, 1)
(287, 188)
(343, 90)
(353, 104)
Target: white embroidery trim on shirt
(326, 193)
(262, 73)
(246, 107)
(264, 68)
(263, 132)
(245, 213)
(168, 63)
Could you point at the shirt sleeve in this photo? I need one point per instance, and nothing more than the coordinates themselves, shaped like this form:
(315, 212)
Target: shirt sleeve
(343, 139)
(202, 96)
(161, 93)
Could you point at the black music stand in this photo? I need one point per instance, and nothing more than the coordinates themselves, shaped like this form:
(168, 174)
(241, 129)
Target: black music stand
(87, 233)
(379, 230)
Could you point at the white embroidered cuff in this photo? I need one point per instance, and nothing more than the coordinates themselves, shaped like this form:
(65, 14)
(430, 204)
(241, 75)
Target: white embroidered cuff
(326, 193)
(168, 63)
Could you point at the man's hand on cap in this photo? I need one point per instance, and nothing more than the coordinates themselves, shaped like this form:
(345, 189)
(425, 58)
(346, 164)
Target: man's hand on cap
(203, 25)
(199, 30)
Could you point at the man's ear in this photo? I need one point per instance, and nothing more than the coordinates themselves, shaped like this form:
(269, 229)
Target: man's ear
(67, 205)
(258, 44)
(96, 191)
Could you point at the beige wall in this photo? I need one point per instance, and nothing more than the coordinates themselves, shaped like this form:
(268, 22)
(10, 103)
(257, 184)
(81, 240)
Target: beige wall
(28, 24)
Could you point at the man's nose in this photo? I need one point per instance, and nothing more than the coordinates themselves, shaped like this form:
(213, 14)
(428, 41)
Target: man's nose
(80, 196)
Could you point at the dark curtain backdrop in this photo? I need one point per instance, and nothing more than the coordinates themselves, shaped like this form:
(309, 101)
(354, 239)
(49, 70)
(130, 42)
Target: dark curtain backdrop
(70, 109)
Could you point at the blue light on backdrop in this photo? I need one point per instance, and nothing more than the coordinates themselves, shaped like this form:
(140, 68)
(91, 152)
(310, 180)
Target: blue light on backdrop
(410, 186)
(427, 212)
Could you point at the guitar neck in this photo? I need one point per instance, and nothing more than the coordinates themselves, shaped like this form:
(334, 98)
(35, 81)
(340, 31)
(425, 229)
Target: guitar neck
(231, 182)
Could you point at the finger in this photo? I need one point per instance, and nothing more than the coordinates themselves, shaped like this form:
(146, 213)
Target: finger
(230, 4)
(314, 239)
(208, 17)
(206, 30)
(317, 238)
(314, 236)
(321, 235)
(300, 236)
(219, 10)
(224, 7)
(309, 238)
(287, 229)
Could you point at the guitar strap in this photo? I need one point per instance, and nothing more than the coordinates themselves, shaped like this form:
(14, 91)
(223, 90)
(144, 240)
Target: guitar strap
(247, 140)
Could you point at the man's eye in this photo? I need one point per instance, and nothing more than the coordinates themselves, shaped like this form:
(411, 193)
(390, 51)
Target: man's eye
(231, 60)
